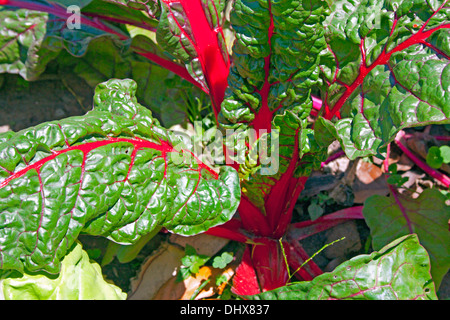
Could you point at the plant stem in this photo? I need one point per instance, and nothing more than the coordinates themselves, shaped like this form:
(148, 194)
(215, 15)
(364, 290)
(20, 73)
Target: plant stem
(299, 260)
(200, 288)
(229, 230)
(442, 178)
(333, 157)
(61, 12)
(394, 191)
(317, 105)
(302, 230)
(442, 138)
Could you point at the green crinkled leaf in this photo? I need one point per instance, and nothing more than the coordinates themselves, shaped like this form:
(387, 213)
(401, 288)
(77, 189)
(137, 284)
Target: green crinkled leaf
(76, 41)
(79, 279)
(30, 40)
(427, 216)
(399, 271)
(275, 60)
(142, 13)
(290, 152)
(113, 172)
(386, 69)
(22, 49)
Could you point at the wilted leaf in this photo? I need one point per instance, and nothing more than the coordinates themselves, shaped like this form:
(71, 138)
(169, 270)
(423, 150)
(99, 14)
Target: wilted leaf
(157, 277)
(189, 288)
(113, 172)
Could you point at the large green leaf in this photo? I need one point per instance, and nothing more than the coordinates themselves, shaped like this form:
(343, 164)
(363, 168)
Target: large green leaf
(113, 172)
(79, 279)
(399, 271)
(30, 38)
(21, 43)
(137, 12)
(427, 216)
(386, 68)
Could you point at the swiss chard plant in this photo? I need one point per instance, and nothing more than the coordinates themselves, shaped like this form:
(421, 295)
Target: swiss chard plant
(298, 76)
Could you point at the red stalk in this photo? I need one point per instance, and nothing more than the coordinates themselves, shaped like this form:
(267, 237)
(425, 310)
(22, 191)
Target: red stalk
(442, 178)
(302, 230)
(164, 147)
(253, 219)
(229, 230)
(61, 12)
(215, 67)
(317, 106)
(245, 281)
(442, 138)
(394, 191)
(280, 222)
(263, 119)
(333, 157)
(383, 59)
(282, 192)
(269, 263)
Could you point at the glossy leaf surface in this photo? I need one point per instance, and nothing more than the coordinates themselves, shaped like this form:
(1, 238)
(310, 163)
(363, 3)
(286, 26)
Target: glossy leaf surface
(399, 271)
(386, 68)
(113, 172)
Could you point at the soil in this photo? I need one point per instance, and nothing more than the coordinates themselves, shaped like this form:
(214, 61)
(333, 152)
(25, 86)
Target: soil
(24, 104)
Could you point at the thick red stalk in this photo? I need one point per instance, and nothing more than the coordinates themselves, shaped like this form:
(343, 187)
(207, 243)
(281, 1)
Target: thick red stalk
(215, 67)
(245, 281)
(230, 230)
(263, 119)
(253, 219)
(281, 219)
(317, 106)
(302, 230)
(269, 263)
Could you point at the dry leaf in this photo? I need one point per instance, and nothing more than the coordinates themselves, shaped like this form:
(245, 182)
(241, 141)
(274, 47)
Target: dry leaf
(369, 181)
(184, 290)
(160, 269)
(157, 269)
(367, 172)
